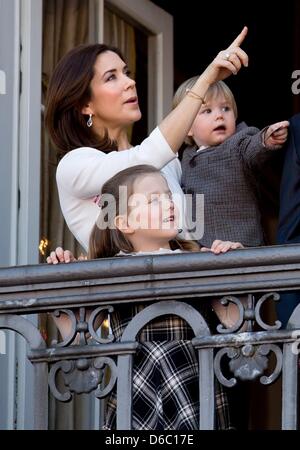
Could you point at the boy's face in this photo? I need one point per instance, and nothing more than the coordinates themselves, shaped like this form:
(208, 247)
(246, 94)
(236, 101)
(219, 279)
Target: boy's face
(214, 123)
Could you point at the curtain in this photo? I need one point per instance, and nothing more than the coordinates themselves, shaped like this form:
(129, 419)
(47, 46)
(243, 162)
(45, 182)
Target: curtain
(65, 25)
(119, 33)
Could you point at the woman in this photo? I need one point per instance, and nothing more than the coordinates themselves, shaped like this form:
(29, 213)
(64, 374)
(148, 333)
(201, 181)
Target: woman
(91, 102)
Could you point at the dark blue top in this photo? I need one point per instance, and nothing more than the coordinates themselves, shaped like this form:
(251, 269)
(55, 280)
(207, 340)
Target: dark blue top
(289, 213)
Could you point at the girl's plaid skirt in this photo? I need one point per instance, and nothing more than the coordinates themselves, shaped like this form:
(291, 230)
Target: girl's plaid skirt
(165, 378)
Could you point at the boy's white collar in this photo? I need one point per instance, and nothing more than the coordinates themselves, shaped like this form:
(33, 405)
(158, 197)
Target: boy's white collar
(202, 147)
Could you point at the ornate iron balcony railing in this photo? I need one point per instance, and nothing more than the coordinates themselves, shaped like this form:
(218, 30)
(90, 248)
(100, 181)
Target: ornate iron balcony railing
(161, 283)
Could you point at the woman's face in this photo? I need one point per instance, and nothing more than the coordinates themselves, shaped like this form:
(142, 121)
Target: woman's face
(114, 101)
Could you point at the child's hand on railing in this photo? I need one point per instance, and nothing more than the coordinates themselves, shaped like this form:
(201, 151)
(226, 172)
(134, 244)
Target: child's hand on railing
(59, 255)
(222, 247)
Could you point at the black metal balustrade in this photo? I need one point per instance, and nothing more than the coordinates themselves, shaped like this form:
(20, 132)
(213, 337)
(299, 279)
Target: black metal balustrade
(163, 282)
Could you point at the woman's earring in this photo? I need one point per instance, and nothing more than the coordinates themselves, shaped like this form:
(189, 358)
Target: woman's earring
(90, 121)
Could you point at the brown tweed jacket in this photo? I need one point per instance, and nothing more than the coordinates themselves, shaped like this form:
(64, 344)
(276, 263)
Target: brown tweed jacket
(225, 175)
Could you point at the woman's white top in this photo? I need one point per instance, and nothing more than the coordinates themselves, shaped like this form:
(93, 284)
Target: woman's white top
(82, 172)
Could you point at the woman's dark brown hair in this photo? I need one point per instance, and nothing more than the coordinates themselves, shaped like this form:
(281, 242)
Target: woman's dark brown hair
(69, 91)
(108, 242)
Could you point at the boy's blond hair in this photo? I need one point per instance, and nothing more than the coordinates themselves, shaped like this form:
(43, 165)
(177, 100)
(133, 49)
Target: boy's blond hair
(214, 91)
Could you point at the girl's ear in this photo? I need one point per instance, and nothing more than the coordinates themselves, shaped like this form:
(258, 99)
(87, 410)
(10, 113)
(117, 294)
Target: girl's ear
(120, 222)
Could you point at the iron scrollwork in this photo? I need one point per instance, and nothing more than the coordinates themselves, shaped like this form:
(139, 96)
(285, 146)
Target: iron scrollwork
(248, 363)
(82, 376)
(70, 338)
(83, 327)
(91, 323)
(237, 325)
(260, 302)
(248, 313)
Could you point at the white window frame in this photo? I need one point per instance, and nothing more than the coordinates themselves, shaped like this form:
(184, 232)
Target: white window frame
(31, 13)
(30, 135)
(9, 134)
(25, 18)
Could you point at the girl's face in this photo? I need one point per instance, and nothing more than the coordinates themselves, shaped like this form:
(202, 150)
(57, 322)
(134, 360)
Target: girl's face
(114, 101)
(214, 123)
(152, 216)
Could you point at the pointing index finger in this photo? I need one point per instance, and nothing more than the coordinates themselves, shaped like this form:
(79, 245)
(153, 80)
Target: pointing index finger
(240, 38)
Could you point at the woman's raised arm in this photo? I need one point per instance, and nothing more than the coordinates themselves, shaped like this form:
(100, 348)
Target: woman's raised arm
(177, 124)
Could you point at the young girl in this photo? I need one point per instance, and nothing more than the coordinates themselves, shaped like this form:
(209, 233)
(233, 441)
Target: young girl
(220, 163)
(148, 224)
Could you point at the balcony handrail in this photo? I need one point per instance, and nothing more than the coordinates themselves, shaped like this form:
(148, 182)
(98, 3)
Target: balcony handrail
(161, 280)
(275, 255)
(36, 288)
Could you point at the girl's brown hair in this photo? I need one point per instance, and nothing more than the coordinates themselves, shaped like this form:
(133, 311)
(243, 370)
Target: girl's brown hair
(69, 91)
(216, 89)
(108, 242)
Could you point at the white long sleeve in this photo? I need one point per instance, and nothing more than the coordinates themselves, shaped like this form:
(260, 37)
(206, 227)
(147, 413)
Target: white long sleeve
(82, 172)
